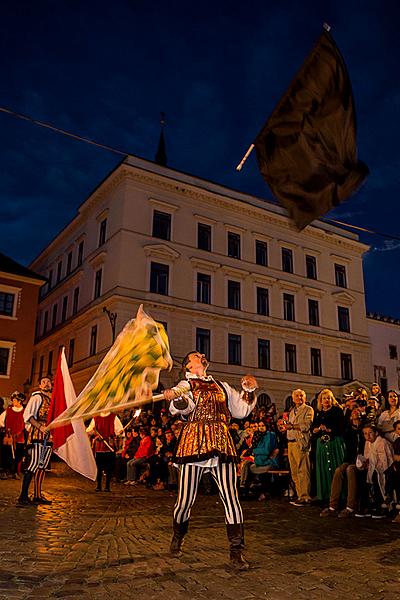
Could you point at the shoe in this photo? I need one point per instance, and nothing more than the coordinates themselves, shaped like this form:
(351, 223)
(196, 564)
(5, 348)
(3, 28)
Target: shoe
(346, 513)
(329, 512)
(363, 513)
(376, 514)
(16, 476)
(41, 500)
(299, 503)
(24, 503)
(107, 490)
(396, 519)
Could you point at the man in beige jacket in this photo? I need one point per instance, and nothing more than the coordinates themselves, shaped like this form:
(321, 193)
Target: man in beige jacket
(299, 440)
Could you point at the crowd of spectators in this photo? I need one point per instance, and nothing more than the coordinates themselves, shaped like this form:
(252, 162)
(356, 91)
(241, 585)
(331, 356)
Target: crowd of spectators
(343, 456)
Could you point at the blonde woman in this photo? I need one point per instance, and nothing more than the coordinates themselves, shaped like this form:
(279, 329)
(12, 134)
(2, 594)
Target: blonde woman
(328, 428)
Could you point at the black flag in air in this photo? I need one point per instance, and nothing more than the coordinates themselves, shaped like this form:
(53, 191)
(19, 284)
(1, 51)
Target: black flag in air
(307, 151)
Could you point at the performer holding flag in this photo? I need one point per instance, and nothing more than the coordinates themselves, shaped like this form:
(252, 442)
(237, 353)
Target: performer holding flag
(205, 444)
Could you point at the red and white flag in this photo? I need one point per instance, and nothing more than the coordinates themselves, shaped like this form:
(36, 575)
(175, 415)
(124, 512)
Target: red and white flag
(70, 442)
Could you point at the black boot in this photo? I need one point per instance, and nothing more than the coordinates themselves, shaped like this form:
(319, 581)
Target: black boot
(236, 545)
(180, 530)
(23, 500)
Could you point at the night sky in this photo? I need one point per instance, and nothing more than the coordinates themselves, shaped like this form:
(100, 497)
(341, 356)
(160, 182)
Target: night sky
(104, 70)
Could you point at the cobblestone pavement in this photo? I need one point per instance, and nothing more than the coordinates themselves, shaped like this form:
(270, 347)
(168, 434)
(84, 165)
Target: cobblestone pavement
(111, 546)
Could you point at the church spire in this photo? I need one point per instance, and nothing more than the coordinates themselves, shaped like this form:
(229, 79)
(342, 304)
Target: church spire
(161, 154)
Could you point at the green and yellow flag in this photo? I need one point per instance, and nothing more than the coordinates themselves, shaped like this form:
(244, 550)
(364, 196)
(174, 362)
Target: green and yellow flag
(128, 373)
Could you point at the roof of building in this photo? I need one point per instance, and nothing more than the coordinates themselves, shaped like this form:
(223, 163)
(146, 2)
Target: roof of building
(384, 318)
(9, 265)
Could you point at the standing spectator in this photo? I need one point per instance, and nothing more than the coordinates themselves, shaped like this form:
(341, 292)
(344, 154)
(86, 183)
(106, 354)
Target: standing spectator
(396, 469)
(299, 436)
(104, 428)
(389, 416)
(376, 392)
(12, 419)
(328, 426)
(378, 454)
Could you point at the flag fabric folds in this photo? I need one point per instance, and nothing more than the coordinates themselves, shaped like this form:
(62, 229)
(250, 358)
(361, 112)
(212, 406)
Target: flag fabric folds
(70, 442)
(306, 150)
(128, 373)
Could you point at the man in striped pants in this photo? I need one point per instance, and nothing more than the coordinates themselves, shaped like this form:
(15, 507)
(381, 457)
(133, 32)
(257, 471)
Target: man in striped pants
(39, 446)
(205, 444)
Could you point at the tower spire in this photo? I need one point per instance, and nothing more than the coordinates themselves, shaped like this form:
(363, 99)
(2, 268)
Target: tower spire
(161, 154)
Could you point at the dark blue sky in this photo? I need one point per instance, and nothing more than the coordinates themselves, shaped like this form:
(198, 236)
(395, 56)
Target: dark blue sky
(105, 70)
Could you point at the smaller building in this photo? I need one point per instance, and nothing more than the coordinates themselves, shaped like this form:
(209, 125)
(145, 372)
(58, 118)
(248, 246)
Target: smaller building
(19, 290)
(384, 333)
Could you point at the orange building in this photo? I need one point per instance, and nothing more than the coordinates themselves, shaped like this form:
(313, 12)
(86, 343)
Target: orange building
(19, 290)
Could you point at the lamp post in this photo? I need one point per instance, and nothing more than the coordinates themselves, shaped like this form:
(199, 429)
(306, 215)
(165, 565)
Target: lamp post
(112, 317)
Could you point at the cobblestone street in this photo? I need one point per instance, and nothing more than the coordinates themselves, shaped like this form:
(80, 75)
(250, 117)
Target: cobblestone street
(111, 546)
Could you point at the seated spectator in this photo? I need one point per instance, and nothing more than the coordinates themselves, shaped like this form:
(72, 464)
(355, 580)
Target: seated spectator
(127, 452)
(378, 455)
(389, 416)
(396, 469)
(263, 455)
(159, 472)
(376, 393)
(347, 473)
(145, 451)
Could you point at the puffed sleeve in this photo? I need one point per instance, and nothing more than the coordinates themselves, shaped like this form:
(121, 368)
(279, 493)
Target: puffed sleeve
(32, 407)
(182, 390)
(240, 409)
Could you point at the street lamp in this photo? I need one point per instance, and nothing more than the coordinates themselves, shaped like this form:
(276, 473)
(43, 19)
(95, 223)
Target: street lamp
(112, 317)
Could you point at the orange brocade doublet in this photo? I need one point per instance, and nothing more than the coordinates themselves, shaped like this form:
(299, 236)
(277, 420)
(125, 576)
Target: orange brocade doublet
(206, 433)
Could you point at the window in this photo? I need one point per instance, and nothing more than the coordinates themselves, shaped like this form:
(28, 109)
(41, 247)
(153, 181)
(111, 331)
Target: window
(71, 352)
(340, 276)
(59, 270)
(287, 260)
(64, 309)
(234, 295)
(50, 280)
(161, 225)
(45, 321)
(54, 317)
(33, 365)
(97, 283)
(233, 245)
(234, 349)
(261, 253)
(343, 318)
(159, 276)
(204, 237)
(203, 288)
(392, 351)
(311, 267)
(41, 362)
(262, 301)
(7, 304)
(75, 301)
(346, 367)
(80, 254)
(69, 263)
(50, 363)
(102, 232)
(264, 355)
(93, 341)
(316, 361)
(290, 358)
(203, 341)
(288, 307)
(313, 312)
(4, 361)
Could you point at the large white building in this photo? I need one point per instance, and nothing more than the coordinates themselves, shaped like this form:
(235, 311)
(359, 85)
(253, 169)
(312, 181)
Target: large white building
(226, 272)
(384, 333)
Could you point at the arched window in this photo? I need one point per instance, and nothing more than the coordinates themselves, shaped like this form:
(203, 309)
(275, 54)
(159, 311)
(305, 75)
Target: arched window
(263, 400)
(288, 403)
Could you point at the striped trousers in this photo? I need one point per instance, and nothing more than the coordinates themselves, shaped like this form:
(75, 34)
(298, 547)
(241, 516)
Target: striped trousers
(39, 457)
(224, 475)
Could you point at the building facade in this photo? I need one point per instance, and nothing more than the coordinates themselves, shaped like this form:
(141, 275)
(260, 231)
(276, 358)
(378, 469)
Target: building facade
(384, 333)
(19, 288)
(225, 272)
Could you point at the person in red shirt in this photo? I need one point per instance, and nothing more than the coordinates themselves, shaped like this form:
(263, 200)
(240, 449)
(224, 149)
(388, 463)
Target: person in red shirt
(104, 429)
(145, 451)
(12, 419)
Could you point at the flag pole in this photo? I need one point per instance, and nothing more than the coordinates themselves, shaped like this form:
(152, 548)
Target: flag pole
(245, 157)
